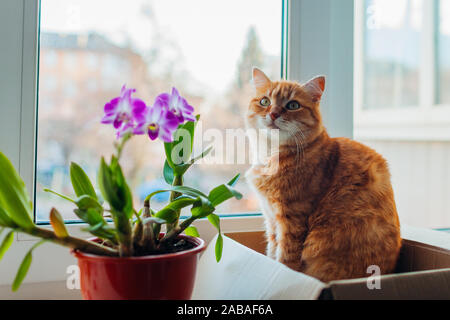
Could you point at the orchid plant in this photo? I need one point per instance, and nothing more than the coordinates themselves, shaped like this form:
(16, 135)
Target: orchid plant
(131, 233)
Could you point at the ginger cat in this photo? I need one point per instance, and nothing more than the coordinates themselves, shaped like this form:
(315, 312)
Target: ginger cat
(329, 207)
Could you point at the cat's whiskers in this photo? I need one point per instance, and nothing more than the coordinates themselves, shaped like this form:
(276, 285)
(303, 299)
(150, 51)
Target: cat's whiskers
(298, 137)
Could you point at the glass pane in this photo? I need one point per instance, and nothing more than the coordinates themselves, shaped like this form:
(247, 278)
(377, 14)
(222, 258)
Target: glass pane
(392, 53)
(443, 95)
(414, 142)
(90, 48)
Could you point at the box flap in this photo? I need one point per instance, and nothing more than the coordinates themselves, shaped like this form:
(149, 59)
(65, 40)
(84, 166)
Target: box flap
(430, 237)
(410, 286)
(423, 250)
(244, 274)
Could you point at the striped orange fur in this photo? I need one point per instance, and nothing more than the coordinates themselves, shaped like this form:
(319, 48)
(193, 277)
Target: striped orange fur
(329, 208)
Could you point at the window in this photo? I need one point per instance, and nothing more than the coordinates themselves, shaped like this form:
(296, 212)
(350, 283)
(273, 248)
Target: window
(19, 80)
(392, 53)
(51, 58)
(204, 48)
(91, 61)
(402, 82)
(443, 63)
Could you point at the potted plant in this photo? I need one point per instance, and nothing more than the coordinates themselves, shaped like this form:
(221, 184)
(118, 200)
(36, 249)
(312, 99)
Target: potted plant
(129, 257)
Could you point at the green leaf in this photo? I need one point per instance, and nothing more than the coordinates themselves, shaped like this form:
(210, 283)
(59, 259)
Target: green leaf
(14, 197)
(181, 148)
(202, 208)
(24, 267)
(102, 231)
(116, 192)
(115, 189)
(168, 147)
(124, 191)
(97, 224)
(188, 191)
(192, 232)
(94, 216)
(82, 214)
(181, 169)
(180, 189)
(87, 202)
(233, 181)
(99, 197)
(222, 193)
(5, 220)
(80, 182)
(57, 222)
(202, 155)
(154, 220)
(215, 221)
(107, 185)
(59, 195)
(190, 128)
(22, 272)
(94, 228)
(219, 247)
(6, 244)
(91, 216)
(170, 212)
(168, 215)
(168, 173)
(225, 192)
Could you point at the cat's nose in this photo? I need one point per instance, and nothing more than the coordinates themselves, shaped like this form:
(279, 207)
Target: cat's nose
(274, 115)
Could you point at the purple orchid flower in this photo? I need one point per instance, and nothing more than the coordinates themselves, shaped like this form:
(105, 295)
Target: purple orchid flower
(177, 105)
(158, 122)
(123, 111)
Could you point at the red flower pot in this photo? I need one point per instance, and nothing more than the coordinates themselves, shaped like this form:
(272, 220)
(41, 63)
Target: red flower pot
(161, 277)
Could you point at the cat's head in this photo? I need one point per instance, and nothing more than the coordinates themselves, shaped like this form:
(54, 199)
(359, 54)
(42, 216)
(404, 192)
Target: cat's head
(292, 108)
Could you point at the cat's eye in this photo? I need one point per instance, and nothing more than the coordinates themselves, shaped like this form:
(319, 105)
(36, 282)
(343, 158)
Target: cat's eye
(293, 105)
(265, 102)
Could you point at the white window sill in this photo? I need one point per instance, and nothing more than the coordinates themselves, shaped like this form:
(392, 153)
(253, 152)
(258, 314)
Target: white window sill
(52, 290)
(48, 273)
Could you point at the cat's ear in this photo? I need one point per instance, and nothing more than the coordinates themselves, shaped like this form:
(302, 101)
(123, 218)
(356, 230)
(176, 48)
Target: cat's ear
(260, 80)
(315, 87)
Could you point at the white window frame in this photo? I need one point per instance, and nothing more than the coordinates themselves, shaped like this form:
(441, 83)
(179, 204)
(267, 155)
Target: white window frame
(427, 121)
(331, 55)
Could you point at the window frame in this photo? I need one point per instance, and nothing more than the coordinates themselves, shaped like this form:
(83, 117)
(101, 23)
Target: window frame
(424, 122)
(331, 22)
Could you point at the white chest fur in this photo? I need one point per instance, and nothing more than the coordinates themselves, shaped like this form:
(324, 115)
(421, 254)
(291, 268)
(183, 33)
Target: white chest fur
(267, 208)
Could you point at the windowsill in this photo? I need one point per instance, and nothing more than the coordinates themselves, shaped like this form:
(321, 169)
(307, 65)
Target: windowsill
(46, 270)
(429, 123)
(57, 290)
(52, 290)
(397, 132)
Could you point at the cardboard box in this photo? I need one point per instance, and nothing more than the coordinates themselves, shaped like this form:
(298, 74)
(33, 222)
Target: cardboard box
(423, 272)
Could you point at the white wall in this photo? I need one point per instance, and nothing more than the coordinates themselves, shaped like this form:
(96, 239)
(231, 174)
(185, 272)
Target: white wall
(421, 180)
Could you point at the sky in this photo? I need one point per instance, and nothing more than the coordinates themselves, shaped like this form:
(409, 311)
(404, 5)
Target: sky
(210, 33)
